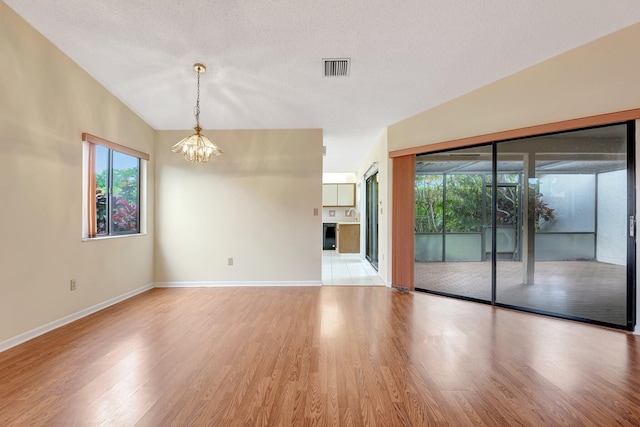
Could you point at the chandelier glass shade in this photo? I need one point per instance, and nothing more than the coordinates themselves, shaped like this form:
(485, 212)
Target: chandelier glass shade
(197, 147)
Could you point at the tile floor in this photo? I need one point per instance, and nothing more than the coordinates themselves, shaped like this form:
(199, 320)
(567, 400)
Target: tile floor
(348, 270)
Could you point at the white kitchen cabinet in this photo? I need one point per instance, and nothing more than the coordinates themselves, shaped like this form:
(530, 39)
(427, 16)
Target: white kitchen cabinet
(346, 195)
(329, 194)
(338, 194)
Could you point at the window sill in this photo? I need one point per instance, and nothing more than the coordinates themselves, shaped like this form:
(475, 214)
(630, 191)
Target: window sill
(121, 236)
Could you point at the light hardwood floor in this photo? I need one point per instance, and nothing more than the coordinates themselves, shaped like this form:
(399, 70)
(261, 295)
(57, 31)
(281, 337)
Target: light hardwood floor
(319, 356)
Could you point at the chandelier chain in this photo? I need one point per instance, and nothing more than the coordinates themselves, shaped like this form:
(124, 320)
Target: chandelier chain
(197, 109)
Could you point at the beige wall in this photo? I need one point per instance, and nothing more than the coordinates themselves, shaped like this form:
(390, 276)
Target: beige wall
(597, 78)
(46, 102)
(255, 204)
(379, 155)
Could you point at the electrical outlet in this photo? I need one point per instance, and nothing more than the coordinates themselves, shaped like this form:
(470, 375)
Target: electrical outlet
(72, 284)
(230, 261)
(315, 211)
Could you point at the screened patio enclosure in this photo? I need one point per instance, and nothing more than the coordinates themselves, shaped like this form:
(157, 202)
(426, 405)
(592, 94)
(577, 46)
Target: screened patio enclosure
(555, 238)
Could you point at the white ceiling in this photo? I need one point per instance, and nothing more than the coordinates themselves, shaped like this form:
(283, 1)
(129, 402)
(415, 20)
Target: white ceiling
(264, 58)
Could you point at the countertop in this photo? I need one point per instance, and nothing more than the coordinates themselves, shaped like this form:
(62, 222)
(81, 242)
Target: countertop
(328, 221)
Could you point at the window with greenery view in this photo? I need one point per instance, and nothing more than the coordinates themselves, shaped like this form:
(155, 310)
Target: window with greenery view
(117, 200)
(113, 186)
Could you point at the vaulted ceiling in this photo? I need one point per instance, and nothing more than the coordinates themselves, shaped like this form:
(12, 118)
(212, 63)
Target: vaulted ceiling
(265, 58)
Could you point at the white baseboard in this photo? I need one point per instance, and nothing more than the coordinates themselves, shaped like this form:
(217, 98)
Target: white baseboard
(236, 284)
(19, 339)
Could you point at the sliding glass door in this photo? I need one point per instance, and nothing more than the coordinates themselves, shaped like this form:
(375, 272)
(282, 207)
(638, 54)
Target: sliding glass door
(561, 240)
(371, 201)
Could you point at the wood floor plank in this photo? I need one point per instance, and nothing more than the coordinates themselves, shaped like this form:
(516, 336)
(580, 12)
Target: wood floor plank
(335, 356)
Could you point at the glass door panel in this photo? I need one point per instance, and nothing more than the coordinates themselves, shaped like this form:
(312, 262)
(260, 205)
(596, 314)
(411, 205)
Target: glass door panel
(450, 229)
(570, 254)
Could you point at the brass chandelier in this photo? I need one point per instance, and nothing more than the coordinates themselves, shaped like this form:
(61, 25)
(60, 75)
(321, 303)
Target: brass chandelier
(197, 147)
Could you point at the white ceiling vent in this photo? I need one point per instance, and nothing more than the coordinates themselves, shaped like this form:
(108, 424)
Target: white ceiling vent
(336, 67)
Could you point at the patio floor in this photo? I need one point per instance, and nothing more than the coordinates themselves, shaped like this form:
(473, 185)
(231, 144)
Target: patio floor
(586, 289)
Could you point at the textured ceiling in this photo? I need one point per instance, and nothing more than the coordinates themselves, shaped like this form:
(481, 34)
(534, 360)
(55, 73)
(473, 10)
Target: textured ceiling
(264, 58)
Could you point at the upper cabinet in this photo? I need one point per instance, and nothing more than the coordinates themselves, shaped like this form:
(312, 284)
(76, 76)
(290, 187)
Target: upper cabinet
(329, 194)
(346, 194)
(338, 194)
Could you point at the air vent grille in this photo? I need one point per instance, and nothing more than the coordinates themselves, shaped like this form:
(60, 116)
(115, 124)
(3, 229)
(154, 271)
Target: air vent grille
(336, 67)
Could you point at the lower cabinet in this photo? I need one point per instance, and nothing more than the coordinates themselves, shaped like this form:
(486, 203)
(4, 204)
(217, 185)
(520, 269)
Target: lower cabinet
(348, 236)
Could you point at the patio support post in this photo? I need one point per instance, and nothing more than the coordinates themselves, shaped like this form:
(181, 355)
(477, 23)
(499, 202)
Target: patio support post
(529, 222)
